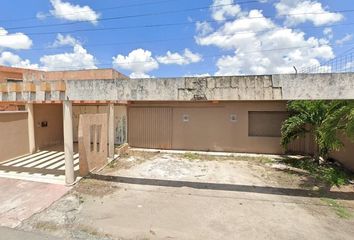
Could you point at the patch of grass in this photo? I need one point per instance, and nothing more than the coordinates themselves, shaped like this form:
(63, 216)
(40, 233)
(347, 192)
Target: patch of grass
(263, 159)
(253, 159)
(47, 226)
(328, 173)
(146, 155)
(340, 210)
(112, 164)
(191, 156)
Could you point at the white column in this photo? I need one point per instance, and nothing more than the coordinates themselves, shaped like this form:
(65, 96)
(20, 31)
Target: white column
(111, 131)
(68, 142)
(31, 136)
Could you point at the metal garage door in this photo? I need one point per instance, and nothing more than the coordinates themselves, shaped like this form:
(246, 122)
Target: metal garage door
(150, 127)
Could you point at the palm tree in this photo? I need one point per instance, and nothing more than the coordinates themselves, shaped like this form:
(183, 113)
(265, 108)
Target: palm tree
(326, 121)
(305, 117)
(338, 123)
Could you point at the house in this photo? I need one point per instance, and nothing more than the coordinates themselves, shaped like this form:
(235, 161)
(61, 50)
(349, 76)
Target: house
(18, 75)
(227, 113)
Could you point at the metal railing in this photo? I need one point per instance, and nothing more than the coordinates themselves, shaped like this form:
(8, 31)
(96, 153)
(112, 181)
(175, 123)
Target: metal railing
(341, 64)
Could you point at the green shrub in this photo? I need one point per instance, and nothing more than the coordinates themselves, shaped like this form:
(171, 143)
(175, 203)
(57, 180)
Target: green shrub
(191, 156)
(328, 173)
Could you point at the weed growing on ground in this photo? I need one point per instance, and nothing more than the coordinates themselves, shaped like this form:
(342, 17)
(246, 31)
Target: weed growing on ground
(81, 199)
(191, 156)
(328, 173)
(340, 210)
(252, 159)
(264, 160)
(255, 159)
(47, 226)
(112, 164)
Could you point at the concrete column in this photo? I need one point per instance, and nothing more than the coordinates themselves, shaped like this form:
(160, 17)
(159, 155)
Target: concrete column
(111, 131)
(68, 142)
(31, 136)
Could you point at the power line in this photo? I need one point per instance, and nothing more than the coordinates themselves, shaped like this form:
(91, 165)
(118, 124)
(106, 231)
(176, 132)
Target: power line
(179, 11)
(110, 44)
(98, 9)
(129, 16)
(165, 25)
(176, 39)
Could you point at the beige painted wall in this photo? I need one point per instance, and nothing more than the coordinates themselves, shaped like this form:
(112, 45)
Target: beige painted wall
(53, 133)
(13, 135)
(209, 126)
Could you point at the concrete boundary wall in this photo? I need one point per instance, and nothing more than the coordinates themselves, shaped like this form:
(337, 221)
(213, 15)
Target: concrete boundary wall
(315, 86)
(14, 140)
(227, 88)
(219, 88)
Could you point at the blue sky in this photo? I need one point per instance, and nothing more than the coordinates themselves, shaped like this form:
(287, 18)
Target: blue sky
(201, 37)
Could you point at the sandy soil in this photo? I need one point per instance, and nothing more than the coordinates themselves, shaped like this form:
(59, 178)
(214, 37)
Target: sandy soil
(168, 196)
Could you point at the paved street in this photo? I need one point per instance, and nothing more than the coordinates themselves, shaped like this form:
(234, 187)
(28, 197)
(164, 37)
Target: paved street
(13, 234)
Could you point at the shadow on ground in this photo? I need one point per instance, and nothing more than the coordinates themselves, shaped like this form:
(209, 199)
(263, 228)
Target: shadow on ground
(226, 187)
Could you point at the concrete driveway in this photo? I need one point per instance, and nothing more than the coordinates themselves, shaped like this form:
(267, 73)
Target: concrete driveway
(170, 196)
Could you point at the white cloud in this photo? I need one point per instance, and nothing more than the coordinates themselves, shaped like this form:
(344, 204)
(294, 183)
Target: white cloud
(187, 57)
(328, 32)
(253, 40)
(62, 40)
(221, 9)
(78, 59)
(13, 60)
(138, 61)
(295, 9)
(238, 33)
(345, 39)
(42, 15)
(70, 12)
(198, 75)
(203, 28)
(14, 40)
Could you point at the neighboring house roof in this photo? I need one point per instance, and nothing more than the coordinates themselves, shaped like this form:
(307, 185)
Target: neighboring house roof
(14, 73)
(7, 73)
(92, 74)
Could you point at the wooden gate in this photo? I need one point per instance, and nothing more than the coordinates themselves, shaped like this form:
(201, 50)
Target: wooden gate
(92, 142)
(150, 127)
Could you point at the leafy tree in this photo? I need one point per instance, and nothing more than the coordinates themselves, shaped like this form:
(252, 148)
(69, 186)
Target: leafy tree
(326, 121)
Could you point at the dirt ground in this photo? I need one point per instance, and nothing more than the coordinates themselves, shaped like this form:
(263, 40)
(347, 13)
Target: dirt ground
(188, 196)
